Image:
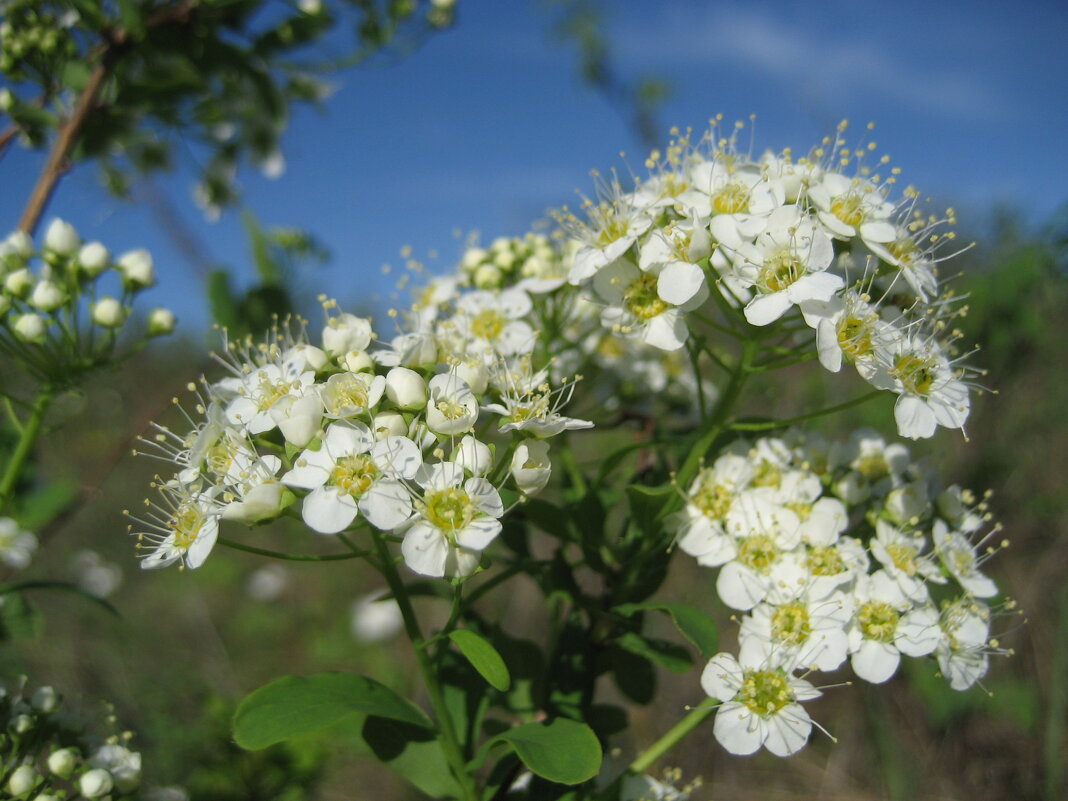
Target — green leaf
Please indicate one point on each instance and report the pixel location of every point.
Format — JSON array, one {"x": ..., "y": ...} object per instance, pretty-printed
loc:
[
  {"x": 293, "y": 706},
  {"x": 415, "y": 753},
  {"x": 44, "y": 505},
  {"x": 75, "y": 75},
  {"x": 19, "y": 619},
  {"x": 483, "y": 658},
  {"x": 560, "y": 750},
  {"x": 694, "y": 625},
  {"x": 647, "y": 505},
  {"x": 674, "y": 657}
]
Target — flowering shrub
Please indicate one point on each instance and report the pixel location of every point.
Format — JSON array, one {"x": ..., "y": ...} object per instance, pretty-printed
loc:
[{"x": 456, "y": 441}]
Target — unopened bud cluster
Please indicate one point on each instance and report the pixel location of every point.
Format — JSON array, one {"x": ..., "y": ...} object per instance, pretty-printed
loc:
[
  {"x": 56, "y": 316},
  {"x": 50, "y": 752},
  {"x": 32, "y": 37}
]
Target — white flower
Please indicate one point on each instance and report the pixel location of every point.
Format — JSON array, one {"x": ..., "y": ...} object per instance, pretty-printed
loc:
[
  {"x": 350, "y": 394},
  {"x": 963, "y": 649},
  {"x": 699, "y": 527},
  {"x": 123, "y": 764},
  {"x": 183, "y": 529},
  {"x": 406, "y": 388},
  {"x": 787, "y": 264},
  {"x": 849, "y": 207},
  {"x": 761, "y": 705},
  {"x": 491, "y": 322},
  {"x": 901, "y": 555},
  {"x": 958, "y": 555},
  {"x": 930, "y": 392},
  {"x": 534, "y": 410},
  {"x": 160, "y": 322},
  {"x": 16, "y": 546},
  {"x": 456, "y": 520},
  {"x": 452, "y": 408},
  {"x": 886, "y": 625},
  {"x": 30, "y": 327},
  {"x": 47, "y": 296},
  {"x": 352, "y": 472},
  {"x": 109, "y": 313},
  {"x": 473, "y": 456},
  {"x": 61, "y": 238},
  {"x": 615, "y": 224},
  {"x": 531, "y": 466},
  {"x": 94, "y": 258},
  {"x": 345, "y": 333},
  {"x": 812, "y": 632},
  {"x": 259, "y": 390},
  {"x": 137, "y": 268},
  {"x": 95, "y": 783}
]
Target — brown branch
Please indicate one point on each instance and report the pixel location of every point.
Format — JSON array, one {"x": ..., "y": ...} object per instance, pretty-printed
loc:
[
  {"x": 7, "y": 136},
  {"x": 57, "y": 163}
]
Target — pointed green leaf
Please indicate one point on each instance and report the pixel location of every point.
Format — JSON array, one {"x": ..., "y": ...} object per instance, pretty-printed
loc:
[
  {"x": 694, "y": 625},
  {"x": 293, "y": 706},
  {"x": 560, "y": 750},
  {"x": 483, "y": 658},
  {"x": 674, "y": 657}
]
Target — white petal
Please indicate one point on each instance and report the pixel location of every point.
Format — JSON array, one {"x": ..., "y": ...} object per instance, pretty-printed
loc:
[
  {"x": 328, "y": 511},
  {"x": 738, "y": 730},
  {"x": 788, "y": 730},
  {"x": 679, "y": 281},
  {"x": 722, "y": 677},
  {"x": 875, "y": 661},
  {"x": 386, "y": 504},
  {"x": 201, "y": 547},
  {"x": 914, "y": 418},
  {"x": 765, "y": 309},
  {"x": 425, "y": 550},
  {"x": 479, "y": 533}
]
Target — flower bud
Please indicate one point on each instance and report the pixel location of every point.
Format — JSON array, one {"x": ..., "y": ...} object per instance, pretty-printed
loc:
[
  {"x": 375, "y": 619},
  {"x": 476, "y": 375},
  {"x": 263, "y": 502},
  {"x": 389, "y": 424},
  {"x": 94, "y": 258},
  {"x": 7, "y": 99},
  {"x": 109, "y": 313},
  {"x": 61, "y": 238},
  {"x": 472, "y": 258},
  {"x": 95, "y": 783},
  {"x": 18, "y": 282},
  {"x": 406, "y": 388},
  {"x": 20, "y": 243},
  {"x": 47, "y": 296},
  {"x": 63, "y": 762},
  {"x": 531, "y": 466},
  {"x": 46, "y": 797},
  {"x": 907, "y": 503},
  {"x": 23, "y": 779},
  {"x": 44, "y": 699},
  {"x": 473, "y": 456},
  {"x": 137, "y": 268},
  {"x": 345, "y": 333},
  {"x": 20, "y": 724},
  {"x": 487, "y": 277},
  {"x": 161, "y": 321},
  {"x": 30, "y": 327},
  {"x": 358, "y": 361}
]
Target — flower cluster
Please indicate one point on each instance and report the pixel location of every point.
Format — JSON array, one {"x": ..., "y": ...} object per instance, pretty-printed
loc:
[
  {"x": 52, "y": 753},
  {"x": 817, "y": 239},
  {"x": 839, "y": 553},
  {"x": 394, "y": 436},
  {"x": 42, "y": 313}
]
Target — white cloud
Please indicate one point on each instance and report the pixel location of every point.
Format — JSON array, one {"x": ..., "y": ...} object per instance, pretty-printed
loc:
[{"x": 823, "y": 62}]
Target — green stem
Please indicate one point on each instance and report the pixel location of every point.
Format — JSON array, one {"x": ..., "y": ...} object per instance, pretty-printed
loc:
[
  {"x": 27, "y": 437},
  {"x": 450, "y": 743},
  {"x": 668, "y": 741},
  {"x": 574, "y": 472},
  {"x": 292, "y": 557},
  {"x": 768, "y": 426},
  {"x": 715, "y": 424}
]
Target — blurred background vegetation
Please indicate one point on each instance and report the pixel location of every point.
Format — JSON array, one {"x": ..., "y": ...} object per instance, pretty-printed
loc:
[{"x": 187, "y": 646}]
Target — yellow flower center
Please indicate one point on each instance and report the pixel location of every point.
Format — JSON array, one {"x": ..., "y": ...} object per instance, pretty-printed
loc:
[
  {"x": 915, "y": 372},
  {"x": 855, "y": 336},
  {"x": 780, "y": 271},
  {"x": 731, "y": 199},
  {"x": 903, "y": 556},
  {"x": 765, "y": 692},
  {"x": 354, "y": 474},
  {"x": 849, "y": 209},
  {"x": 767, "y": 474},
  {"x": 790, "y": 624},
  {"x": 758, "y": 552},
  {"x": 186, "y": 524},
  {"x": 449, "y": 509},
  {"x": 873, "y": 467},
  {"x": 824, "y": 560},
  {"x": 714, "y": 500},
  {"x": 878, "y": 621},
  {"x": 346, "y": 390},
  {"x": 488, "y": 324},
  {"x": 642, "y": 300}
]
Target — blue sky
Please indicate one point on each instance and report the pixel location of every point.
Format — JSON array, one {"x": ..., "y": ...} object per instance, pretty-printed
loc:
[{"x": 487, "y": 126}]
